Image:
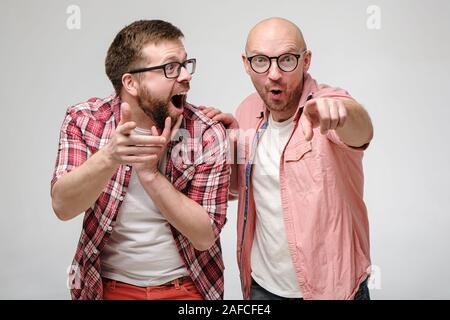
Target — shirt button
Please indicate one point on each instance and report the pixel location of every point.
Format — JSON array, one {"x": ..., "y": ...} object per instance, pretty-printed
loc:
[
  {"x": 184, "y": 166},
  {"x": 109, "y": 228},
  {"x": 95, "y": 251},
  {"x": 121, "y": 198},
  {"x": 127, "y": 168}
]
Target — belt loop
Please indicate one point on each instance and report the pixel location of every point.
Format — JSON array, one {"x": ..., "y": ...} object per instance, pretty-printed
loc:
[
  {"x": 176, "y": 283},
  {"x": 112, "y": 284}
]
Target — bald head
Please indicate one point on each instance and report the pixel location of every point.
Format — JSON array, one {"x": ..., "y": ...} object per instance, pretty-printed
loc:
[{"x": 273, "y": 32}]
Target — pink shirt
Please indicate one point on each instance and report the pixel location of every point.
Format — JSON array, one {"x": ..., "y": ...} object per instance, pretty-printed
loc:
[{"x": 322, "y": 185}]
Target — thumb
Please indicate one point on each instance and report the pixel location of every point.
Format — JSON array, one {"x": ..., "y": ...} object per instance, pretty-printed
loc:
[
  {"x": 306, "y": 127},
  {"x": 167, "y": 126},
  {"x": 125, "y": 113}
]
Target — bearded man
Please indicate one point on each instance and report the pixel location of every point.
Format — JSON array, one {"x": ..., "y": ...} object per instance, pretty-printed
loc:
[{"x": 154, "y": 200}]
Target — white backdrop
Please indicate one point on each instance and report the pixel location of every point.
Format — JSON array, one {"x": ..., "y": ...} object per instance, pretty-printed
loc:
[{"x": 393, "y": 56}]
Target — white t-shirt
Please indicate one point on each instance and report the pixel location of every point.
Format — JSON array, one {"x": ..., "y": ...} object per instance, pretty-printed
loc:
[
  {"x": 271, "y": 262},
  {"x": 141, "y": 250}
]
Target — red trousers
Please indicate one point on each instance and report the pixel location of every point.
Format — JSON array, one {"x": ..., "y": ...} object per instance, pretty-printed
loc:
[{"x": 183, "y": 289}]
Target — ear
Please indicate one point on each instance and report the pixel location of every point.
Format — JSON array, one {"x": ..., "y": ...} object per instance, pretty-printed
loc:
[
  {"x": 246, "y": 63},
  {"x": 307, "y": 61},
  {"x": 130, "y": 84}
]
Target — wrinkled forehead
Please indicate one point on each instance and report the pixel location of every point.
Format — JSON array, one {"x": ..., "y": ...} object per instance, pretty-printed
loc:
[{"x": 155, "y": 52}]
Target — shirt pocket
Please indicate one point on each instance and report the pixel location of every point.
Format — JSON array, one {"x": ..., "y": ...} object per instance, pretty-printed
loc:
[
  {"x": 303, "y": 166},
  {"x": 299, "y": 151}
]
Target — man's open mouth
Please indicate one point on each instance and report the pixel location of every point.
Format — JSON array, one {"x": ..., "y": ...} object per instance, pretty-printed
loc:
[
  {"x": 276, "y": 92},
  {"x": 179, "y": 100}
]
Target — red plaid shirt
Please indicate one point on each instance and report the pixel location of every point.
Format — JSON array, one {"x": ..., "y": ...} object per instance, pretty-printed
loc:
[{"x": 196, "y": 165}]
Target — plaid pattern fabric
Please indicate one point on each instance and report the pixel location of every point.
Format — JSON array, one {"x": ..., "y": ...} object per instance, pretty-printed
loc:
[{"x": 196, "y": 165}]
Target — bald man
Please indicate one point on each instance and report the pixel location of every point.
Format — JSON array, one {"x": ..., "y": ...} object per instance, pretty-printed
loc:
[{"x": 302, "y": 223}]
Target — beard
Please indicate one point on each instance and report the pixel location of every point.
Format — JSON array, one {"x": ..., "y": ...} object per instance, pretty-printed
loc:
[
  {"x": 156, "y": 109},
  {"x": 292, "y": 101}
]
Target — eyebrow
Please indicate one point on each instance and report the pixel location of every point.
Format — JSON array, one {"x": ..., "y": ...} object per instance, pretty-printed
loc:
[{"x": 257, "y": 52}]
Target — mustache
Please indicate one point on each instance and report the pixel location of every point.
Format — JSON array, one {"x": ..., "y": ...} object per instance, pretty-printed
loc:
[
  {"x": 274, "y": 84},
  {"x": 184, "y": 87}
]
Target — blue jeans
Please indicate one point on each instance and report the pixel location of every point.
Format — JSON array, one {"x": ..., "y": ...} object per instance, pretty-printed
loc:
[{"x": 259, "y": 293}]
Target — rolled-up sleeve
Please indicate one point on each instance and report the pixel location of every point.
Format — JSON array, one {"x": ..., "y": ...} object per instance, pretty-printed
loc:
[
  {"x": 209, "y": 186},
  {"x": 72, "y": 149}
]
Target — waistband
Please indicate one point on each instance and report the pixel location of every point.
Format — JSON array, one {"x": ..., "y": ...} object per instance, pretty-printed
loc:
[{"x": 172, "y": 283}]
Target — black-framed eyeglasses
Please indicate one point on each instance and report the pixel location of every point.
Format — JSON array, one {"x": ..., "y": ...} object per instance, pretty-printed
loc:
[
  {"x": 172, "y": 69},
  {"x": 287, "y": 62}
]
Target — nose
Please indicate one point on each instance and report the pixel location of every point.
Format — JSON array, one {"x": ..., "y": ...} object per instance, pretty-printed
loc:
[
  {"x": 184, "y": 75},
  {"x": 274, "y": 72}
]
